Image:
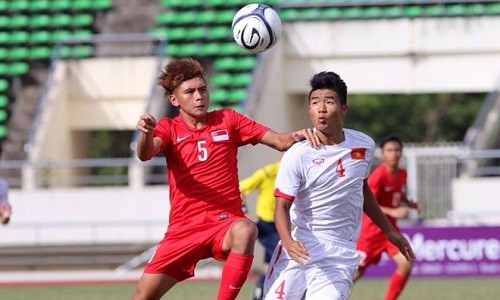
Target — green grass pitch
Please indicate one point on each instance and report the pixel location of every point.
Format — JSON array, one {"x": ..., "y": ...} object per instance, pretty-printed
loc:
[{"x": 416, "y": 288}]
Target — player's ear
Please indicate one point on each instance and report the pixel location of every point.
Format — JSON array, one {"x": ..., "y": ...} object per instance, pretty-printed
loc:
[
  {"x": 345, "y": 108},
  {"x": 173, "y": 100}
]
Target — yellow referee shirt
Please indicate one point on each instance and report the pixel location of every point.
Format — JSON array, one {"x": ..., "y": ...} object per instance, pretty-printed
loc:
[{"x": 262, "y": 180}]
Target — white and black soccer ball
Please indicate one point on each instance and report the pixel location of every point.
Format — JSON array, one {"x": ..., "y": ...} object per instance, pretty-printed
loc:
[{"x": 256, "y": 27}]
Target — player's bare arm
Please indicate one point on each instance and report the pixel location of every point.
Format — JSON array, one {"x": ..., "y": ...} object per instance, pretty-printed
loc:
[
  {"x": 410, "y": 203},
  {"x": 147, "y": 145},
  {"x": 395, "y": 212},
  {"x": 295, "y": 249},
  {"x": 283, "y": 141},
  {"x": 373, "y": 210}
]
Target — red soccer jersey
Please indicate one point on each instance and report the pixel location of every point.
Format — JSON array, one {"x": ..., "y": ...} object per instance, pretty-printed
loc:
[
  {"x": 388, "y": 189},
  {"x": 202, "y": 165}
]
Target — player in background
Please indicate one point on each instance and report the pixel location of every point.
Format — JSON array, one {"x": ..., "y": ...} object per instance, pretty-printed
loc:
[
  {"x": 200, "y": 147},
  {"x": 262, "y": 181},
  {"x": 388, "y": 183},
  {"x": 323, "y": 193},
  {"x": 5, "y": 207}
]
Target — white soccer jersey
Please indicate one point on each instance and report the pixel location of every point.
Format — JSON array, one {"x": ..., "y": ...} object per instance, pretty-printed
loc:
[{"x": 326, "y": 185}]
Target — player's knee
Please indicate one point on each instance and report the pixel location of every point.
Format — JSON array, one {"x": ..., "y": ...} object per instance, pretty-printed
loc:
[{"x": 245, "y": 229}]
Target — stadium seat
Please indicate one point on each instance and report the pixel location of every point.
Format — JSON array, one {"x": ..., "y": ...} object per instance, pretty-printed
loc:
[
  {"x": 196, "y": 32},
  {"x": 59, "y": 5},
  {"x": 60, "y": 20},
  {"x": 237, "y": 95},
  {"x": 3, "y": 69},
  {"x": 493, "y": 8},
  {"x": 81, "y": 5},
  {"x": 231, "y": 48},
  {"x": 4, "y": 85},
  {"x": 3, "y": 115},
  {"x": 40, "y": 37},
  {"x": 102, "y": 4},
  {"x": 3, "y": 131},
  {"x": 242, "y": 79},
  {"x": 4, "y": 101},
  {"x": 219, "y": 95},
  {"x": 222, "y": 79},
  {"x": 225, "y": 63},
  {"x": 331, "y": 13},
  {"x": 220, "y": 32},
  {"x": 246, "y": 63},
  {"x": 176, "y": 33},
  {"x": 37, "y": 21},
  {"x": 18, "y": 53},
  {"x": 18, "y": 37},
  {"x": 39, "y": 5},
  {"x": 206, "y": 17},
  {"x": 82, "y": 20},
  {"x": 4, "y": 53},
  {"x": 18, "y": 21},
  {"x": 210, "y": 49},
  {"x": 17, "y": 68},
  {"x": 18, "y": 5},
  {"x": 40, "y": 52}
]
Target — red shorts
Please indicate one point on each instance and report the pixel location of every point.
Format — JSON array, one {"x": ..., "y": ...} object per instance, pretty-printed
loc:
[
  {"x": 371, "y": 248},
  {"x": 181, "y": 249}
]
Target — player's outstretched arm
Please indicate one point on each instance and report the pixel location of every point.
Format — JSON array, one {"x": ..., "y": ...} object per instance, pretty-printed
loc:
[
  {"x": 147, "y": 145},
  {"x": 283, "y": 141},
  {"x": 295, "y": 249},
  {"x": 372, "y": 209}
]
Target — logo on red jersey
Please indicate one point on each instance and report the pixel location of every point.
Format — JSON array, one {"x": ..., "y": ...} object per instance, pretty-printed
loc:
[
  {"x": 358, "y": 153},
  {"x": 220, "y": 135}
]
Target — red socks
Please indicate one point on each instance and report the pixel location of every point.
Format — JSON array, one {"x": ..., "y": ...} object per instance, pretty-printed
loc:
[
  {"x": 234, "y": 274},
  {"x": 396, "y": 285}
]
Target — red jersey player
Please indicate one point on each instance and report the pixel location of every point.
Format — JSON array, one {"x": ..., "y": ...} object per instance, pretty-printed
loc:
[
  {"x": 387, "y": 183},
  {"x": 206, "y": 219}
]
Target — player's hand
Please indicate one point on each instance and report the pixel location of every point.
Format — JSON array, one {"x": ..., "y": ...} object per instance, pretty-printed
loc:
[
  {"x": 5, "y": 211},
  {"x": 146, "y": 123},
  {"x": 414, "y": 204},
  {"x": 399, "y": 212},
  {"x": 297, "y": 251},
  {"x": 307, "y": 134},
  {"x": 403, "y": 245}
]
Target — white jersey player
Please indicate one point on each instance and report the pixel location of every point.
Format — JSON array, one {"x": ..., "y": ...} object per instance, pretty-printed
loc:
[{"x": 323, "y": 193}]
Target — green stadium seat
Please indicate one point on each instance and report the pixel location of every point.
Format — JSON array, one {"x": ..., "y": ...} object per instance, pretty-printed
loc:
[
  {"x": 58, "y": 35},
  {"x": 60, "y": 20},
  {"x": 4, "y": 101},
  {"x": 19, "y": 37},
  {"x": 213, "y": 107},
  {"x": 210, "y": 49},
  {"x": 60, "y": 5},
  {"x": 206, "y": 17},
  {"x": 222, "y": 79},
  {"x": 165, "y": 18},
  {"x": 40, "y": 37},
  {"x": 433, "y": 10},
  {"x": 4, "y": 53},
  {"x": 18, "y": 5},
  {"x": 42, "y": 20},
  {"x": 225, "y": 16},
  {"x": 289, "y": 14},
  {"x": 171, "y": 50},
  {"x": 4, "y": 37},
  {"x": 4, "y": 68},
  {"x": 4, "y": 21},
  {"x": 238, "y": 95},
  {"x": 219, "y": 95},
  {"x": 373, "y": 12},
  {"x": 18, "y": 21},
  {"x": 40, "y": 52},
  {"x": 171, "y": 3},
  {"x": 225, "y": 63},
  {"x": 310, "y": 13},
  {"x": 102, "y": 4},
  {"x": 453, "y": 10},
  {"x": 81, "y": 34},
  {"x": 39, "y": 5},
  {"x": 393, "y": 11},
  {"x": 242, "y": 79},
  {"x": 3, "y": 115},
  {"x": 18, "y": 53},
  {"x": 4, "y": 5},
  {"x": 4, "y": 85},
  {"x": 493, "y": 8},
  {"x": 188, "y": 49},
  {"x": 331, "y": 13},
  {"x": 220, "y": 32},
  {"x": 176, "y": 33},
  {"x": 413, "y": 11},
  {"x": 81, "y": 5},
  {"x": 231, "y": 49},
  {"x": 82, "y": 20},
  {"x": 3, "y": 131},
  {"x": 196, "y": 32},
  {"x": 81, "y": 51},
  {"x": 246, "y": 63},
  {"x": 354, "y": 12},
  {"x": 17, "y": 68}
]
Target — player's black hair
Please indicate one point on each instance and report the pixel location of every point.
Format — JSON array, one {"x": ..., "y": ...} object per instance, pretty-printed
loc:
[
  {"x": 391, "y": 138},
  {"x": 329, "y": 80}
]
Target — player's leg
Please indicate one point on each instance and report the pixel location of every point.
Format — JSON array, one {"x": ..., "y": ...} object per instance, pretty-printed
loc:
[
  {"x": 239, "y": 241},
  {"x": 398, "y": 279},
  {"x": 153, "y": 286}
]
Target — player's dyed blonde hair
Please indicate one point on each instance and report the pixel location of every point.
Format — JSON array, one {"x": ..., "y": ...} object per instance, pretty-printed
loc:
[{"x": 177, "y": 71}]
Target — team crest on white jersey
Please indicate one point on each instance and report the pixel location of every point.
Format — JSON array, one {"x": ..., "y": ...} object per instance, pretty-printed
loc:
[
  {"x": 220, "y": 135},
  {"x": 318, "y": 161}
]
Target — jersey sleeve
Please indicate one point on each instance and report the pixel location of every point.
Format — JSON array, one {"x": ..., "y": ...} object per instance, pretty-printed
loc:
[
  {"x": 289, "y": 175},
  {"x": 162, "y": 130},
  {"x": 248, "y": 131},
  {"x": 374, "y": 182}
]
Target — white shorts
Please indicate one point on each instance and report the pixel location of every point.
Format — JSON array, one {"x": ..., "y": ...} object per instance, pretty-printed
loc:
[{"x": 327, "y": 275}]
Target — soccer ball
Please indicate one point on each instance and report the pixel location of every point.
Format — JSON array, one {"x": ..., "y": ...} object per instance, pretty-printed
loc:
[{"x": 256, "y": 27}]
